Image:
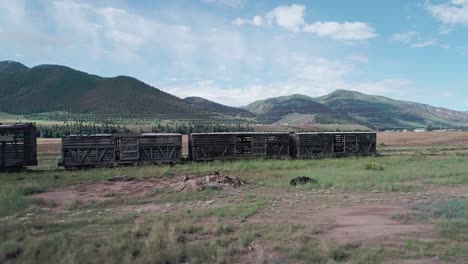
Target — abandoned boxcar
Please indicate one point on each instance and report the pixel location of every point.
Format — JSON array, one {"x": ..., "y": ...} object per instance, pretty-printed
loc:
[
  {"x": 219, "y": 146},
  {"x": 111, "y": 149},
  {"x": 314, "y": 145},
  {"x": 17, "y": 146},
  {"x": 159, "y": 147},
  {"x": 88, "y": 150}
]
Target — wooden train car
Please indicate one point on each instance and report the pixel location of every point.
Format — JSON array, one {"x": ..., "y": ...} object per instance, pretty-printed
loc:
[
  {"x": 223, "y": 146},
  {"x": 160, "y": 147},
  {"x": 112, "y": 149},
  {"x": 88, "y": 150},
  {"x": 334, "y": 144},
  {"x": 18, "y": 147}
]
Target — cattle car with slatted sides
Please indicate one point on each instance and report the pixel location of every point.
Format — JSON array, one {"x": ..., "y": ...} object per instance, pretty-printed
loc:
[
  {"x": 237, "y": 145},
  {"x": 160, "y": 148},
  {"x": 80, "y": 151},
  {"x": 18, "y": 146},
  {"x": 333, "y": 144}
]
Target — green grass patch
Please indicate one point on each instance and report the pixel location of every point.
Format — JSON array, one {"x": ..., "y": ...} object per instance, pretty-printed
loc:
[
  {"x": 238, "y": 210},
  {"x": 374, "y": 166},
  {"x": 448, "y": 208}
]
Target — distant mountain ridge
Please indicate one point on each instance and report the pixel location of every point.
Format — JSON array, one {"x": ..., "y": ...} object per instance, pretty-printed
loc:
[
  {"x": 12, "y": 67},
  {"x": 342, "y": 106},
  {"x": 216, "y": 107},
  {"x": 46, "y": 88},
  {"x": 296, "y": 105}
]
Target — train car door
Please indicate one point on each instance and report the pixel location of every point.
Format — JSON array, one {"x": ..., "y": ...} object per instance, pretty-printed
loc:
[
  {"x": 339, "y": 143},
  {"x": 128, "y": 148}
]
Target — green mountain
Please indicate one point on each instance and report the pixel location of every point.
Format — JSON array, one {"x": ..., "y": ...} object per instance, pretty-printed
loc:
[
  {"x": 379, "y": 111},
  {"x": 216, "y": 107},
  {"x": 295, "y": 108},
  {"x": 343, "y": 106},
  {"x": 47, "y": 88},
  {"x": 12, "y": 67}
]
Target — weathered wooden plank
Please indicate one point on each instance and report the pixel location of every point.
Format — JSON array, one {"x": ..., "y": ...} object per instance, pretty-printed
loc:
[
  {"x": 17, "y": 145},
  {"x": 313, "y": 145}
]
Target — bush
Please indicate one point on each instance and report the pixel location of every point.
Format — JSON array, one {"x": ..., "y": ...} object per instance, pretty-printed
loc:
[
  {"x": 454, "y": 208},
  {"x": 342, "y": 253},
  {"x": 374, "y": 166}
]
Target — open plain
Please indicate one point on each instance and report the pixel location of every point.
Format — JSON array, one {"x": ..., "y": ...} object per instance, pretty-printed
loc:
[{"x": 407, "y": 205}]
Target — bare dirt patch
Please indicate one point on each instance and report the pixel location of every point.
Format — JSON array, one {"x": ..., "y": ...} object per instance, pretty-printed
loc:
[
  {"x": 364, "y": 221},
  {"x": 102, "y": 190},
  {"x": 352, "y": 216},
  {"x": 369, "y": 223}
]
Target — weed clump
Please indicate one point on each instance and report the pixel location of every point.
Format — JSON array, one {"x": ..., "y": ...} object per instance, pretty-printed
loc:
[
  {"x": 302, "y": 180},
  {"x": 374, "y": 166},
  {"x": 453, "y": 208}
]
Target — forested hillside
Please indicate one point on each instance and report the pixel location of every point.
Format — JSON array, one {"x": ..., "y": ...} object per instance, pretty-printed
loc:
[{"x": 47, "y": 88}]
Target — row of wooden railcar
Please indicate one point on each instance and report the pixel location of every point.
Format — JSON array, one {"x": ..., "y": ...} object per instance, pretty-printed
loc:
[
  {"x": 111, "y": 149},
  {"x": 18, "y": 147}
]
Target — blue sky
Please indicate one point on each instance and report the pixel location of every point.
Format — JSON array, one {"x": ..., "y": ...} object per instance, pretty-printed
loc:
[{"x": 238, "y": 51}]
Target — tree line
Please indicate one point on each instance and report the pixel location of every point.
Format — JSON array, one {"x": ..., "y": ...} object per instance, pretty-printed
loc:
[{"x": 81, "y": 128}]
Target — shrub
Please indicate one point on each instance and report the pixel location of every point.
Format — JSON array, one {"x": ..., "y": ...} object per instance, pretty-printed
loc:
[
  {"x": 374, "y": 166},
  {"x": 454, "y": 208}
]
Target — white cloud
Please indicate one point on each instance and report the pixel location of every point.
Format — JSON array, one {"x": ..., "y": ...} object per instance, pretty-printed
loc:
[
  {"x": 358, "y": 57},
  {"x": 13, "y": 11},
  {"x": 313, "y": 76},
  {"x": 452, "y": 13},
  {"x": 239, "y": 21},
  {"x": 292, "y": 18},
  {"x": 102, "y": 29},
  {"x": 342, "y": 31},
  {"x": 256, "y": 21},
  {"x": 123, "y": 36},
  {"x": 226, "y": 3},
  {"x": 424, "y": 44},
  {"x": 288, "y": 17},
  {"x": 405, "y": 37},
  {"x": 414, "y": 40}
]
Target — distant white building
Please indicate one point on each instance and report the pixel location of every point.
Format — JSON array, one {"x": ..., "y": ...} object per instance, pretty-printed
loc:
[{"x": 420, "y": 130}]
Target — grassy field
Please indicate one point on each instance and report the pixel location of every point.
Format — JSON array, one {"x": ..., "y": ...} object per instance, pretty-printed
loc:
[
  {"x": 56, "y": 216},
  {"x": 443, "y": 138}
]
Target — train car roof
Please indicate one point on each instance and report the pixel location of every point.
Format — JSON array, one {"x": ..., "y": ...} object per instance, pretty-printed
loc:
[
  {"x": 16, "y": 125},
  {"x": 89, "y": 135},
  {"x": 243, "y": 133},
  {"x": 124, "y": 135},
  {"x": 301, "y": 133},
  {"x": 161, "y": 134}
]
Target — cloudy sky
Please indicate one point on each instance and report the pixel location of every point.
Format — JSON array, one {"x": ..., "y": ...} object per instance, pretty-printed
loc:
[{"x": 238, "y": 51}]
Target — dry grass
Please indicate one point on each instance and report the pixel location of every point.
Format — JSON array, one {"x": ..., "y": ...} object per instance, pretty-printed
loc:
[
  {"x": 422, "y": 138},
  {"x": 264, "y": 221},
  {"x": 47, "y": 146}
]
